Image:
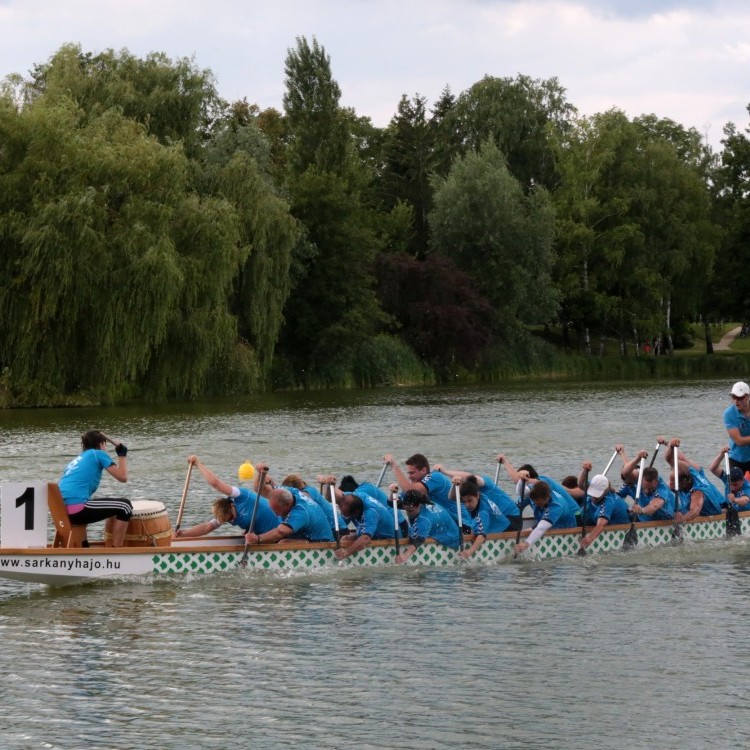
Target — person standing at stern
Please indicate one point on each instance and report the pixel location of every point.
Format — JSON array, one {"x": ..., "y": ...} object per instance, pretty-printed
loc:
[{"x": 737, "y": 423}]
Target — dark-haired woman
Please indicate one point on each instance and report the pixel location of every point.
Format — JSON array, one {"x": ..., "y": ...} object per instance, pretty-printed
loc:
[{"x": 81, "y": 478}]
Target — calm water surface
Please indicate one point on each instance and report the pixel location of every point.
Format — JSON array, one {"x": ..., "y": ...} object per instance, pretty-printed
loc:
[{"x": 621, "y": 651}]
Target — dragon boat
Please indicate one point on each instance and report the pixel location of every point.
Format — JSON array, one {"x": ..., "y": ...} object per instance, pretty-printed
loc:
[{"x": 29, "y": 511}]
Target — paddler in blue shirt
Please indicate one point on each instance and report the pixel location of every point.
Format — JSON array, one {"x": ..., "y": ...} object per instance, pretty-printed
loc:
[
  {"x": 527, "y": 474},
  {"x": 603, "y": 507},
  {"x": 695, "y": 496},
  {"x": 551, "y": 511},
  {"x": 483, "y": 515},
  {"x": 371, "y": 520},
  {"x": 426, "y": 521},
  {"x": 737, "y": 424},
  {"x": 657, "y": 501},
  {"x": 235, "y": 508},
  {"x": 434, "y": 485},
  {"x": 489, "y": 492},
  {"x": 349, "y": 484},
  {"x": 300, "y": 517},
  {"x": 736, "y": 485},
  {"x": 296, "y": 481}
]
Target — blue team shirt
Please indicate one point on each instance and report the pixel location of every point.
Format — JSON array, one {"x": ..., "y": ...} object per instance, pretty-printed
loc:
[
  {"x": 376, "y": 520},
  {"x": 325, "y": 506},
  {"x": 610, "y": 507},
  {"x": 487, "y": 518},
  {"x": 82, "y": 475},
  {"x": 438, "y": 488},
  {"x": 306, "y": 519},
  {"x": 374, "y": 492},
  {"x": 435, "y": 522},
  {"x": 244, "y": 502},
  {"x": 561, "y": 510},
  {"x": 508, "y": 507},
  {"x": 712, "y": 497},
  {"x": 666, "y": 512},
  {"x": 734, "y": 418},
  {"x": 744, "y": 491}
]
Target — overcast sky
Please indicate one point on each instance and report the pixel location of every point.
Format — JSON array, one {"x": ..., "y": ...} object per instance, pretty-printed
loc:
[{"x": 682, "y": 59}]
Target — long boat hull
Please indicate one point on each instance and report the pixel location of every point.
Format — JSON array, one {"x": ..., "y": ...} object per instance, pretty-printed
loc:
[{"x": 213, "y": 554}]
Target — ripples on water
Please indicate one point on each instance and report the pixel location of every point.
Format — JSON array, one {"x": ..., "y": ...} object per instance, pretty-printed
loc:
[{"x": 619, "y": 651}]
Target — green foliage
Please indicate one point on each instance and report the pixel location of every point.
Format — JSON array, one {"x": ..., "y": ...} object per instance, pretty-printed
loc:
[{"x": 500, "y": 235}]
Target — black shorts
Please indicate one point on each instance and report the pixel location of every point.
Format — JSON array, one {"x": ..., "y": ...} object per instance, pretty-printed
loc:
[{"x": 99, "y": 508}]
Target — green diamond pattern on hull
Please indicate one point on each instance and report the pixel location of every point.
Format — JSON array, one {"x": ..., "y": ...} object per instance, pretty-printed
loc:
[{"x": 495, "y": 550}]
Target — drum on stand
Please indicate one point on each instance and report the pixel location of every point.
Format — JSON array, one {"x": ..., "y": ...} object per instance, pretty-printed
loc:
[{"x": 149, "y": 526}]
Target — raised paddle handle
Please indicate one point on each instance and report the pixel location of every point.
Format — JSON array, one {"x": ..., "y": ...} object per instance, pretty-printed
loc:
[
  {"x": 382, "y": 474},
  {"x": 183, "y": 498},
  {"x": 655, "y": 453},
  {"x": 396, "y": 527},
  {"x": 640, "y": 480},
  {"x": 609, "y": 465},
  {"x": 332, "y": 490}
]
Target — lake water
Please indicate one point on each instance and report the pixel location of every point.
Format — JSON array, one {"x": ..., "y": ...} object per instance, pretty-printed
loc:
[{"x": 640, "y": 650}]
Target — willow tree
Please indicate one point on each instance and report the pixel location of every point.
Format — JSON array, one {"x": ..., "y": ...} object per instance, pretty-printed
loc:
[
  {"x": 174, "y": 100},
  {"x": 115, "y": 274},
  {"x": 237, "y": 165}
]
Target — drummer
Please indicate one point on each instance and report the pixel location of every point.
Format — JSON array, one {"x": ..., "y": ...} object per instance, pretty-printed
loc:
[
  {"x": 236, "y": 507},
  {"x": 80, "y": 481}
]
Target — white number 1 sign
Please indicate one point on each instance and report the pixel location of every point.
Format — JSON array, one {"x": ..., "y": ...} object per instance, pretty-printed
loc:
[{"x": 23, "y": 512}]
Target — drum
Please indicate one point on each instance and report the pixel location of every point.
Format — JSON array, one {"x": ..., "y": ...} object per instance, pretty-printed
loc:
[{"x": 149, "y": 525}]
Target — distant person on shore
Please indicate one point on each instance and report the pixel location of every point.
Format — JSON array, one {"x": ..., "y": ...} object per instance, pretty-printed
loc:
[
  {"x": 737, "y": 424},
  {"x": 80, "y": 481},
  {"x": 235, "y": 507}
]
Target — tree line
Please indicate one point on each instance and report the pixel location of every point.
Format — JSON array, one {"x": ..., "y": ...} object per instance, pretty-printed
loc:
[{"x": 159, "y": 241}]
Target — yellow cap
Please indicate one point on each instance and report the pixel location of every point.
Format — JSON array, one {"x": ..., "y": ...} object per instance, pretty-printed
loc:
[{"x": 246, "y": 472}]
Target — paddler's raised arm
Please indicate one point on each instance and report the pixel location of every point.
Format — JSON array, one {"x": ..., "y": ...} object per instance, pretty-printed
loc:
[
  {"x": 717, "y": 465},
  {"x": 513, "y": 473},
  {"x": 629, "y": 467},
  {"x": 403, "y": 481},
  {"x": 213, "y": 481}
]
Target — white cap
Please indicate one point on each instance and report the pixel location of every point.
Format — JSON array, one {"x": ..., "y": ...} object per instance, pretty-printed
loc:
[
  {"x": 598, "y": 486},
  {"x": 740, "y": 389},
  {"x": 527, "y": 491}
]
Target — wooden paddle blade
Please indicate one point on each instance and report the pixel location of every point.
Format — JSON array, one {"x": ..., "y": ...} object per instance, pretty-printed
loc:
[
  {"x": 734, "y": 525},
  {"x": 677, "y": 534},
  {"x": 581, "y": 552},
  {"x": 631, "y": 538}
]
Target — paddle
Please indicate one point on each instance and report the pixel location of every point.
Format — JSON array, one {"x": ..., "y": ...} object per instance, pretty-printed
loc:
[
  {"x": 261, "y": 481},
  {"x": 337, "y": 533},
  {"x": 653, "y": 457},
  {"x": 522, "y": 495},
  {"x": 497, "y": 472},
  {"x": 458, "y": 516},
  {"x": 631, "y": 536},
  {"x": 582, "y": 550},
  {"x": 733, "y": 524},
  {"x": 396, "y": 527},
  {"x": 184, "y": 497},
  {"x": 609, "y": 465},
  {"x": 677, "y": 528},
  {"x": 382, "y": 474}
]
